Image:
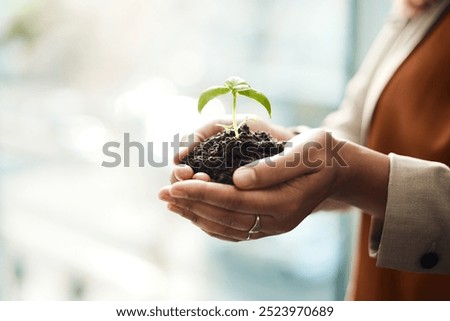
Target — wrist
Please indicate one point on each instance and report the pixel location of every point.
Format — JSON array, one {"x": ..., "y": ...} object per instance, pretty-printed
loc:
[{"x": 363, "y": 182}]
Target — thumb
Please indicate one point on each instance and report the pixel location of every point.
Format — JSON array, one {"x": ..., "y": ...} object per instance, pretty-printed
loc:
[
  {"x": 265, "y": 172},
  {"x": 301, "y": 156}
]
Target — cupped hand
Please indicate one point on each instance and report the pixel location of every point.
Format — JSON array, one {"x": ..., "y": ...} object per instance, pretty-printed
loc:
[{"x": 282, "y": 190}]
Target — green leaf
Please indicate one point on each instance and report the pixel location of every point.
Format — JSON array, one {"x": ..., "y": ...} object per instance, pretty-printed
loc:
[
  {"x": 209, "y": 94},
  {"x": 259, "y": 97}
]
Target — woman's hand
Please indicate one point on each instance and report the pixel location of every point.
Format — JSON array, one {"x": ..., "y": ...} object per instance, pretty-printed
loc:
[{"x": 282, "y": 190}]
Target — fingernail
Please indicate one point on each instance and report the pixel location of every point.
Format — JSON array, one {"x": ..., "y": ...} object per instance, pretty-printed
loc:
[
  {"x": 172, "y": 207},
  {"x": 244, "y": 177},
  {"x": 177, "y": 192},
  {"x": 165, "y": 196}
]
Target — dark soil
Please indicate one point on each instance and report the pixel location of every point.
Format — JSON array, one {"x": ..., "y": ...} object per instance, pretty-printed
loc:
[{"x": 220, "y": 155}]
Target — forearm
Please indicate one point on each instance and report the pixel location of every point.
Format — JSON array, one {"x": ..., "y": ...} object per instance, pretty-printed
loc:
[{"x": 364, "y": 182}]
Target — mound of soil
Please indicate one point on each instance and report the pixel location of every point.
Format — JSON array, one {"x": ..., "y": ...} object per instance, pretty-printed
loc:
[{"x": 220, "y": 155}]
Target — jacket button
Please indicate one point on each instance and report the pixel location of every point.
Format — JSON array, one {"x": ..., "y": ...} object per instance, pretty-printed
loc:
[{"x": 429, "y": 260}]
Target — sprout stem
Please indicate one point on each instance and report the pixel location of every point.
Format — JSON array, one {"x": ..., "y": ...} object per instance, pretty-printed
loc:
[{"x": 233, "y": 115}]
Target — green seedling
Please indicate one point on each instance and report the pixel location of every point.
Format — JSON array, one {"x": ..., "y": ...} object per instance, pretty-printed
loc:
[{"x": 236, "y": 86}]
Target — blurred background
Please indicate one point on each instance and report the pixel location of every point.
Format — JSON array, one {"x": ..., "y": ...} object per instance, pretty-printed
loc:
[{"x": 76, "y": 74}]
